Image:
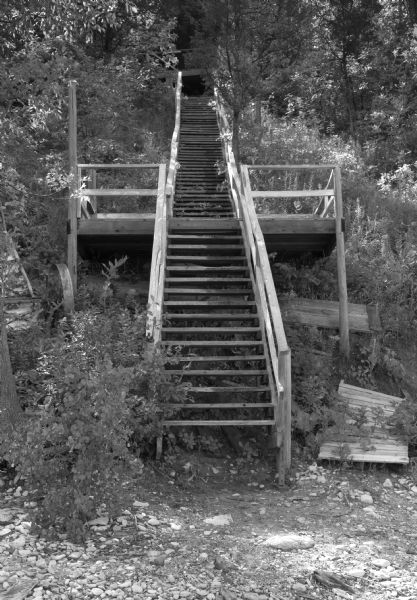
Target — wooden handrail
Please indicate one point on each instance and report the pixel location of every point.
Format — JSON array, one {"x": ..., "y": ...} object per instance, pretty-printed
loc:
[
  {"x": 278, "y": 352},
  {"x": 173, "y": 165},
  {"x": 117, "y": 166},
  {"x": 156, "y": 282}
]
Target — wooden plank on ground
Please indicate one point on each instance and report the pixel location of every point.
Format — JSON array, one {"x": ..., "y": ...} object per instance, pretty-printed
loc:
[
  {"x": 325, "y": 313},
  {"x": 366, "y": 435}
]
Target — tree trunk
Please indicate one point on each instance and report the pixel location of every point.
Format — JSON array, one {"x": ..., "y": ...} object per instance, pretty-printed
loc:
[
  {"x": 412, "y": 11},
  {"x": 235, "y": 136},
  {"x": 10, "y": 410}
]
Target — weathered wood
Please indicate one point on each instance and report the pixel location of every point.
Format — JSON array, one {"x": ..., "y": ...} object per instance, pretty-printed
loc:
[
  {"x": 341, "y": 268},
  {"x": 368, "y": 412},
  {"x": 67, "y": 288},
  {"x": 215, "y": 405},
  {"x": 221, "y": 423},
  {"x": 100, "y": 192},
  {"x": 325, "y": 313},
  {"x": 73, "y": 186},
  {"x": 291, "y": 193},
  {"x": 173, "y": 164},
  {"x": 289, "y": 167},
  {"x": 118, "y": 166}
]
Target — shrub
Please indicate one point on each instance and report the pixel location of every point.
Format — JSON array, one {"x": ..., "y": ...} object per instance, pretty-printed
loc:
[{"x": 103, "y": 395}]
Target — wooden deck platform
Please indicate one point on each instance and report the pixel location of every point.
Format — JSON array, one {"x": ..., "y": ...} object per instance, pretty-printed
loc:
[
  {"x": 325, "y": 313},
  {"x": 289, "y": 235},
  {"x": 364, "y": 434}
]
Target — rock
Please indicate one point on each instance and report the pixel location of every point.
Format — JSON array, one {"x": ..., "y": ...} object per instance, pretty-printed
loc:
[
  {"x": 154, "y": 522},
  {"x": 96, "y": 591},
  {"x": 387, "y": 484},
  {"x": 219, "y": 520},
  {"x": 138, "y": 504},
  {"x": 366, "y": 499},
  {"x": 370, "y": 510},
  {"x": 289, "y": 542},
  {"x": 299, "y": 587},
  {"x": 6, "y": 516},
  {"x": 381, "y": 563},
  {"x": 19, "y": 542},
  {"x": 414, "y": 489},
  {"x": 357, "y": 573},
  {"x": 5, "y": 531},
  {"x": 250, "y": 596},
  {"x": 99, "y": 522},
  {"x": 175, "y": 526}
]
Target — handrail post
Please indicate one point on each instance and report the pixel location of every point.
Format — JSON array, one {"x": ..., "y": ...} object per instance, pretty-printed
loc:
[
  {"x": 341, "y": 267},
  {"x": 73, "y": 185}
]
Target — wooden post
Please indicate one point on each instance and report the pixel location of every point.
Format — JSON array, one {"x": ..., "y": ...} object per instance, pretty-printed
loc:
[
  {"x": 72, "y": 224},
  {"x": 284, "y": 366},
  {"x": 341, "y": 267}
]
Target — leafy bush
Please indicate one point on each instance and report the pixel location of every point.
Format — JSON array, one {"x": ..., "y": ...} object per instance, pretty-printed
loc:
[{"x": 103, "y": 392}]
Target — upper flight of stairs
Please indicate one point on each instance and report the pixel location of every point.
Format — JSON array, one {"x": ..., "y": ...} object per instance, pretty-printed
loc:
[{"x": 211, "y": 320}]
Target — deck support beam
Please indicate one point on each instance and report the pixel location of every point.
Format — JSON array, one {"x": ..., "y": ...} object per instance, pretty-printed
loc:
[{"x": 72, "y": 200}]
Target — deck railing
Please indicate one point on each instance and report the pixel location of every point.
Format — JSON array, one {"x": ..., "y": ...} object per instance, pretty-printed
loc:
[
  {"x": 279, "y": 355},
  {"x": 300, "y": 188},
  {"x": 89, "y": 194},
  {"x": 164, "y": 208}
]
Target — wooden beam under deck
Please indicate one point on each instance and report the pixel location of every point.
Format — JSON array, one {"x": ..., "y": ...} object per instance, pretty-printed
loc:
[{"x": 289, "y": 235}]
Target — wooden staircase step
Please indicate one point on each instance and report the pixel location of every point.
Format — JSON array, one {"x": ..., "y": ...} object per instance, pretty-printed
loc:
[
  {"x": 204, "y": 291},
  {"x": 211, "y": 317},
  {"x": 218, "y": 372},
  {"x": 210, "y": 247},
  {"x": 233, "y": 358},
  {"x": 198, "y": 269},
  {"x": 208, "y": 280},
  {"x": 213, "y": 343},
  {"x": 232, "y": 389},
  {"x": 231, "y": 330},
  {"x": 213, "y": 259},
  {"x": 216, "y": 405},
  {"x": 212, "y": 303},
  {"x": 221, "y": 423}
]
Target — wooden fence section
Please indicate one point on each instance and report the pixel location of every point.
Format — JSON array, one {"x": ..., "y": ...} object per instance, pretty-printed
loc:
[
  {"x": 325, "y": 313},
  {"x": 362, "y": 432},
  {"x": 279, "y": 356}
]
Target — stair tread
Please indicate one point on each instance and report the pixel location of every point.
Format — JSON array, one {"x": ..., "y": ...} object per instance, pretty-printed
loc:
[
  {"x": 221, "y": 423},
  {"x": 218, "y": 372},
  {"x": 215, "y": 405},
  {"x": 212, "y": 343},
  {"x": 213, "y": 303},
  {"x": 210, "y": 329},
  {"x": 205, "y": 291},
  {"x": 211, "y": 316},
  {"x": 220, "y": 358}
]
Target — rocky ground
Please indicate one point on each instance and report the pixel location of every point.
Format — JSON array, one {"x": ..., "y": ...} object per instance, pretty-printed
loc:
[{"x": 214, "y": 530}]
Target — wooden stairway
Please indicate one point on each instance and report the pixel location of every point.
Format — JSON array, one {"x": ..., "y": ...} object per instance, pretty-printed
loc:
[{"x": 210, "y": 313}]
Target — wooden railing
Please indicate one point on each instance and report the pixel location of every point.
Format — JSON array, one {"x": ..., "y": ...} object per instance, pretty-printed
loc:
[
  {"x": 279, "y": 355},
  {"x": 330, "y": 206},
  {"x": 89, "y": 193},
  {"x": 159, "y": 250},
  {"x": 173, "y": 165},
  {"x": 164, "y": 209},
  {"x": 310, "y": 192}
]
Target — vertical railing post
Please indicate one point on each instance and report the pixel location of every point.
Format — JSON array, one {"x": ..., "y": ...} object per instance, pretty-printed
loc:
[
  {"x": 341, "y": 267},
  {"x": 93, "y": 182},
  {"x": 72, "y": 225}
]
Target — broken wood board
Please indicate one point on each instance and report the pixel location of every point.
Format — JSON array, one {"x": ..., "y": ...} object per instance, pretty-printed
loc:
[
  {"x": 325, "y": 313},
  {"x": 364, "y": 433}
]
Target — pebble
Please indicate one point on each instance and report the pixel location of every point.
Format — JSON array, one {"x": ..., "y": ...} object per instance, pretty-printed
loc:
[
  {"x": 289, "y": 542},
  {"x": 387, "y": 484},
  {"x": 154, "y": 522},
  {"x": 366, "y": 499},
  {"x": 299, "y": 587},
  {"x": 381, "y": 563}
]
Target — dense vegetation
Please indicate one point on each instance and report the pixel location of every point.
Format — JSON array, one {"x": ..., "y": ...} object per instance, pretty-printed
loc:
[{"x": 321, "y": 81}]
